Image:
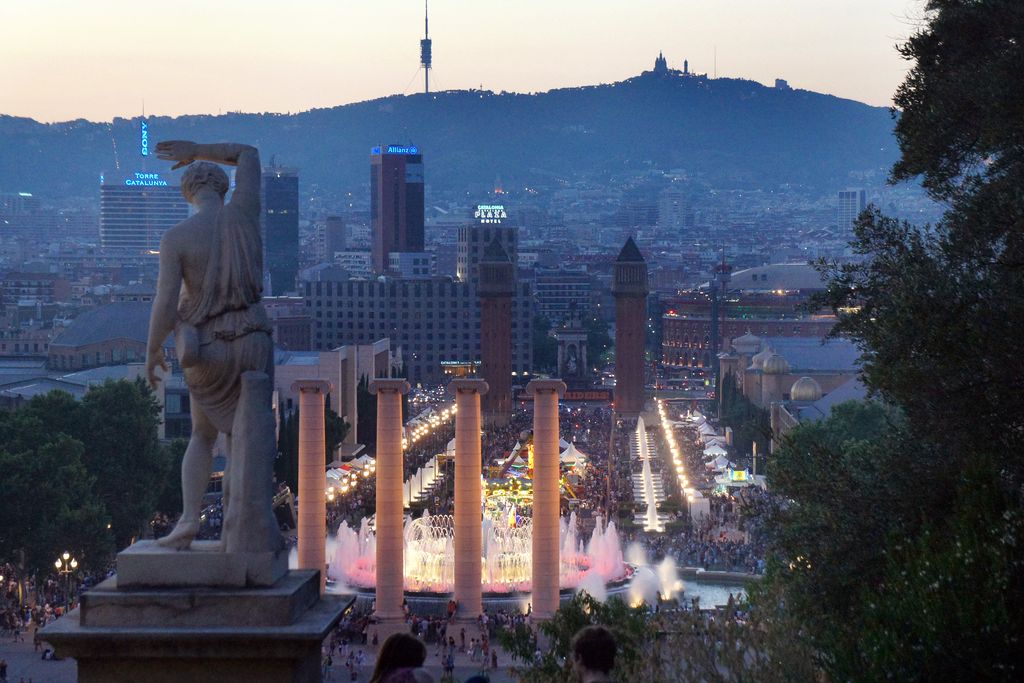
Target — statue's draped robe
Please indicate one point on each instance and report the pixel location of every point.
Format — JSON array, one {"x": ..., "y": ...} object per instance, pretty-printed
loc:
[{"x": 232, "y": 327}]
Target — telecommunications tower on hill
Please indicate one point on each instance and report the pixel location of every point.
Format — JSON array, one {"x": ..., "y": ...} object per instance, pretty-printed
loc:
[{"x": 425, "y": 56}]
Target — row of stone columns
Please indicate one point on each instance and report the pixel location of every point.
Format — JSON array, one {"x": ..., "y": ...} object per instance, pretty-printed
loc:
[{"x": 468, "y": 542}]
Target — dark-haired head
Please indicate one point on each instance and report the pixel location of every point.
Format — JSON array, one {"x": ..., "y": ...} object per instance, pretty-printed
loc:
[
  {"x": 399, "y": 651},
  {"x": 593, "y": 649}
]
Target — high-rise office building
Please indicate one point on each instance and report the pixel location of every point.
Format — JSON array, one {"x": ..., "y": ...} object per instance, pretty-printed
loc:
[
  {"x": 137, "y": 209},
  {"x": 434, "y": 322},
  {"x": 279, "y": 223},
  {"x": 489, "y": 222},
  {"x": 335, "y": 236},
  {"x": 396, "y": 202},
  {"x": 851, "y": 203}
]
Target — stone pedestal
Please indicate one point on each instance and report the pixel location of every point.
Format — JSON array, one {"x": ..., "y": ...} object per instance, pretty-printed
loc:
[
  {"x": 545, "y": 551},
  {"x": 165, "y": 635},
  {"x": 468, "y": 498},
  {"x": 312, "y": 522},
  {"x": 148, "y": 565},
  {"x": 390, "y": 570}
]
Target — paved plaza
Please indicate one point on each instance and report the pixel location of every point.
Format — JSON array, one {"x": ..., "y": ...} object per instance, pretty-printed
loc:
[{"x": 24, "y": 663}]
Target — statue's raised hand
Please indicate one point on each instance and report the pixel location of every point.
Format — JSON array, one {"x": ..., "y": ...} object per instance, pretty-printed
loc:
[{"x": 182, "y": 151}]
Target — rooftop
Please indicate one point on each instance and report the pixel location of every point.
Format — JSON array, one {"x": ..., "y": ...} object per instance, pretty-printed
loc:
[
  {"x": 630, "y": 253},
  {"x": 776, "y": 276},
  {"x": 124, "y": 320}
]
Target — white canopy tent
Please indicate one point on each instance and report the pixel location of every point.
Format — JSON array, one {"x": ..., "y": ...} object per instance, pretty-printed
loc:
[
  {"x": 715, "y": 448},
  {"x": 719, "y": 464},
  {"x": 573, "y": 457}
]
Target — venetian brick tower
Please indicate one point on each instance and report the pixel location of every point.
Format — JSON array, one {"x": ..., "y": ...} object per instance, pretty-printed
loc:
[
  {"x": 496, "y": 287},
  {"x": 629, "y": 287}
]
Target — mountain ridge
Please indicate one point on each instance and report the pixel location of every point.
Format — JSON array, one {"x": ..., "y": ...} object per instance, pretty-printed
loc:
[{"x": 729, "y": 131}]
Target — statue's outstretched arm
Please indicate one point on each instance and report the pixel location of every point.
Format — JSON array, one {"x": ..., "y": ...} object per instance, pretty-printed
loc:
[{"x": 246, "y": 157}]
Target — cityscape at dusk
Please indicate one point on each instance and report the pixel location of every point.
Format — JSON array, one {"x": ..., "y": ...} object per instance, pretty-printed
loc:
[{"x": 493, "y": 341}]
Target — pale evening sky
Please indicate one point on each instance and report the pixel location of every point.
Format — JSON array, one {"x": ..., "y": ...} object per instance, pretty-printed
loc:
[{"x": 96, "y": 59}]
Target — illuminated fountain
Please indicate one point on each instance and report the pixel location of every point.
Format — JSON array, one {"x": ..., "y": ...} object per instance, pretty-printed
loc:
[
  {"x": 652, "y": 522},
  {"x": 504, "y": 565}
]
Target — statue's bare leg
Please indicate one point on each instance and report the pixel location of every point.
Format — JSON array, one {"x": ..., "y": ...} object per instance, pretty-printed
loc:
[{"x": 196, "y": 467}]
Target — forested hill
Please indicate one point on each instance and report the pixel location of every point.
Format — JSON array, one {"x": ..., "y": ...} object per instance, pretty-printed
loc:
[{"x": 734, "y": 132}]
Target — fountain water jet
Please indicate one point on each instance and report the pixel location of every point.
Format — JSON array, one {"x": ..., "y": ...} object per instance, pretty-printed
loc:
[
  {"x": 651, "y": 522},
  {"x": 504, "y": 564}
]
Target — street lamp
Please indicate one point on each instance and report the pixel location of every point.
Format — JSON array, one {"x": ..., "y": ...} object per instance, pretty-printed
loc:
[{"x": 65, "y": 565}]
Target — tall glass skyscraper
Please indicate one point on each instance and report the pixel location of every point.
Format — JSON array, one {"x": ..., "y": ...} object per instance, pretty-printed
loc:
[
  {"x": 137, "y": 209},
  {"x": 280, "y": 227},
  {"x": 396, "y": 202},
  {"x": 851, "y": 203}
]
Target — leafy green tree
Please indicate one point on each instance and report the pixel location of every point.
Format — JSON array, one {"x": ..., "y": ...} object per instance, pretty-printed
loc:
[
  {"x": 670, "y": 646},
  {"x": 749, "y": 423},
  {"x": 367, "y": 413},
  {"x": 629, "y": 625},
  {"x": 286, "y": 466},
  {"x": 599, "y": 342},
  {"x": 116, "y": 423},
  {"x": 937, "y": 313},
  {"x": 53, "y": 507},
  {"x": 119, "y": 430}
]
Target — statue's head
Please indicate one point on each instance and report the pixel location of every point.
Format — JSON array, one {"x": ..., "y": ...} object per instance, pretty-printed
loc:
[{"x": 203, "y": 174}]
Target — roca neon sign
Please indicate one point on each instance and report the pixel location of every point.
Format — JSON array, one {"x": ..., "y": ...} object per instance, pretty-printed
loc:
[
  {"x": 145, "y": 138},
  {"x": 146, "y": 180}
]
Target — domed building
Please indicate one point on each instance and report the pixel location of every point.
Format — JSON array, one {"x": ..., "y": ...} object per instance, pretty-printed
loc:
[
  {"x": 775, "y": 365},
  {"x": 788, "y": 368},
  {"x": 747, "y": 345},
  {"x": 758, "y": 360},
  {"x": 805, "y": 390}
]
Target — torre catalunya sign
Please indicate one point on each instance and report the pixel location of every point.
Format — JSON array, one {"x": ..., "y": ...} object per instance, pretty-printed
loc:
[{"x": 138, "y": 179}]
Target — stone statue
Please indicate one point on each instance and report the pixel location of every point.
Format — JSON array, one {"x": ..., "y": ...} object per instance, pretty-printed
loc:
[{"x": 208, "y": 295}]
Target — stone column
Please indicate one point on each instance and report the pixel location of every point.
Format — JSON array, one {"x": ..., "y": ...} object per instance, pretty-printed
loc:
[
  {"x": 312, "y": 520},
  {"x": 468, "y": 497},
  {"x": 390, "y": 518},
  {"x": 545, "y": 568}
]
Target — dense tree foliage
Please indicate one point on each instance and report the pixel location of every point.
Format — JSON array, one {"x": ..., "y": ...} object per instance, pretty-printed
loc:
[
  {"x": 119, "y": 429},
  {"x": 89, "y": 473},
  {"x": 900, "y": 549},
  {"x": 668, "y": 646},
  {"x": 286, "y": 466},
  {"x": 366, "y": 414},
  {"x": 599, "y": 341},
  {"x": 52, "y": 504},
  {"x": 749, "y": 423}
]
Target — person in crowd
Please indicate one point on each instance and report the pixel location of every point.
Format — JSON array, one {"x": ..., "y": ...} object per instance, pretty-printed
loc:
[
  {"x": 400, "y": 660},
  {"x": 593, "y": 654}
]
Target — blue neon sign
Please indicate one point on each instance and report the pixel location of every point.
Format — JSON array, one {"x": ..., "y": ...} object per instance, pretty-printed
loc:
[
  {"x": 145, "y": 138},
  {"x": 396, "y": 149},
  {"x": 145, "y": 180}
]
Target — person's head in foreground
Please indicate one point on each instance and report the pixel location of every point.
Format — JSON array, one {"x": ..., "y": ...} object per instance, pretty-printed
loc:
[
  {"x": 593, "y": 654},
  {"x": 399, "y": 661}
]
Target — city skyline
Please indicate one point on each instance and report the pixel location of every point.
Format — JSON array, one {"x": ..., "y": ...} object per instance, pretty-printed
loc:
[{"x": 108, "y": 58}]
